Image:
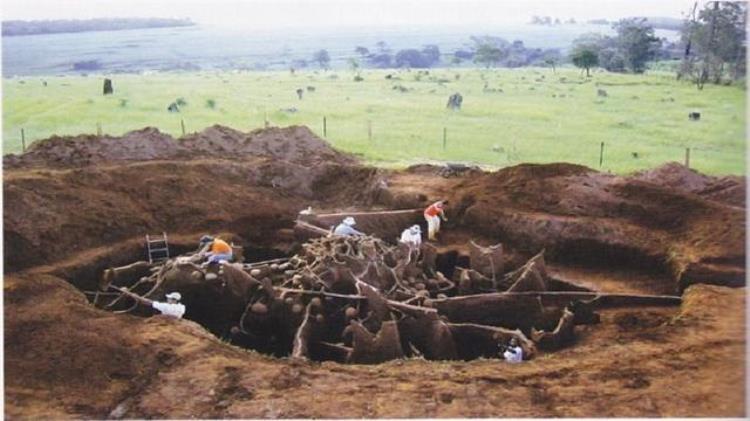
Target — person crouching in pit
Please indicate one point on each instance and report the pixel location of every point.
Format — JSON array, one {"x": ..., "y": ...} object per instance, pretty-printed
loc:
[
  {"x": 214, "y": 250},
  {"x": 433, "y": 214}
]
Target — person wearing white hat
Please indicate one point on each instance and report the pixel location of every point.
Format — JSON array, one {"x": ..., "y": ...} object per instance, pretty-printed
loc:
[
  {"x": 412, "y": 236},
  {"x": 172, "y": 307},
  {"x": 346, "y": 227}
]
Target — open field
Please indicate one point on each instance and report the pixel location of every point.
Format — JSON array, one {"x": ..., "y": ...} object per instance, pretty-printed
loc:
[{"x": 524, "y": 115}]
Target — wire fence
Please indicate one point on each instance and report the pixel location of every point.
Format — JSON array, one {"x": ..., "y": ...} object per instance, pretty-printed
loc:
[{"x": 417, "y": 142}]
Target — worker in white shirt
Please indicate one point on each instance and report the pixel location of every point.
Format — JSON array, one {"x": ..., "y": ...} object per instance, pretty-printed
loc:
[
  {"x": 512, "y": 353},
  {"x": 412, "y": 237},
  {"x": 346, "y": 227},
  {"x": 172, "y": 307}
]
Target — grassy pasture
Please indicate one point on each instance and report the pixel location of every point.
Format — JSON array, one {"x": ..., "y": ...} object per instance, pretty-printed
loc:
[{"x": 523, "y": 115}]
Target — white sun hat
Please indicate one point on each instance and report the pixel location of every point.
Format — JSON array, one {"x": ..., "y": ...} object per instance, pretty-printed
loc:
[
  {"x": 174, "y": 295},
  {"x": 349, "y": 221}
]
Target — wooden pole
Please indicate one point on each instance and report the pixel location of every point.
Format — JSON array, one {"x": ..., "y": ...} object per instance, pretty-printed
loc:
[
  {"x": 98, "y": 129},
  {"x": 601, "y": 155},
  {"x": 23, "y": 140},
  {"x": 369, "y": 130},
  {"x": 687, "y": 157},
  {"x": 182, "y": 124},
  {"x": 445, "y": 137},
  {"x": 324, "y": 127}
]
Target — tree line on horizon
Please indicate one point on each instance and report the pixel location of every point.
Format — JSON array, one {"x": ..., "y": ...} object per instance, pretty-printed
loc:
[
  {"x": 712, "y": 47},
  {"x": 39, "y": 27}
]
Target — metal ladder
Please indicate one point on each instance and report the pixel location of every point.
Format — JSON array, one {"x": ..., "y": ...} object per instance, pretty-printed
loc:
[{"x": 157, "y": 248}]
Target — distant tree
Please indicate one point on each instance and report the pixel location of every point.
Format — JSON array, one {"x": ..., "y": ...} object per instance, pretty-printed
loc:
[
  {"x": 489, "y": 51},
  {"x": 636, "y": 42},
  {"x": 353, "y": 64},
  {"x": 431, "y": 53},
  {"x": 585, "y": 59},
  {"x": 410, "y": 57},
  {"x": 362, "y": 51},
  {"x": 299, "y": 63},
  {"x": 551, "y": 58},
  {"x": 322, "y": 58},
  {"x": 381, "y": 59},
  {"x": 488, "y": 55},
  {"x": 608, "y": 53},
  {"x": 714, "y": 42},
  {"x": 463, "y": 54},
  {"x": 611, "y": 59}
]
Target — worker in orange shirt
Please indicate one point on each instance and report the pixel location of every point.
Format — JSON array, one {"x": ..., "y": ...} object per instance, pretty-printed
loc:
[
  {"x": 215, "y": 250},
  {"x": 432, "y": 214}
]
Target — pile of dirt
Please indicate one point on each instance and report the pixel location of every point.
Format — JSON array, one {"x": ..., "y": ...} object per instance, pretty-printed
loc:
[
  {"x": 578, "y": 214},
  {"x": 49, "y": 216},
  {"x": 76, "y": 151},
  {"x": 729, "y": 190},
  {"x": 105, "y": 190},
  {"x": 294, "y": 144}
]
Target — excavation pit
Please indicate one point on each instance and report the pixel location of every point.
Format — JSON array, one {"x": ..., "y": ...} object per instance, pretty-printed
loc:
[{"x": 364, "y": 300}]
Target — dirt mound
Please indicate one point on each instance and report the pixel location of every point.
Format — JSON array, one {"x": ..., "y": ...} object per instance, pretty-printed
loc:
[
  {"x": 729, "y": 190},
  {"x": 579, "y": 214},
  {"x": 75, "y": 151},
  {"x": 295, "y": 144}
]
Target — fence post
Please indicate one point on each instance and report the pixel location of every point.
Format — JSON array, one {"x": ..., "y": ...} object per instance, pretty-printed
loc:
[
  {"x": 687, "y": 157},
  {"x": 601, "y": 155},
  {"x": 182, "y": 124},
  {"x": 369, "y": 130},
  {"x": 445, "y": 137},
  {"x": 23, "y": 140},
  {"x": 325, "y": 131},
  {"x": 98, "y": 128},
  {"x": 265, "y": 118}
]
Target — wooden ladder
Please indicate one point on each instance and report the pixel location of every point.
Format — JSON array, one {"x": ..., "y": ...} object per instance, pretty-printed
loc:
[{"x": 157, "y": 248}]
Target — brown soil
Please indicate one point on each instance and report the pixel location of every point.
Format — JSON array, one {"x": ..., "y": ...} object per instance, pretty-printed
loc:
[
  {"x": 728, "y": 190},
  {"x": 293, "y": 144},
  {"x": 74, "y": 206},
  {"x": 580, "y": 215}
]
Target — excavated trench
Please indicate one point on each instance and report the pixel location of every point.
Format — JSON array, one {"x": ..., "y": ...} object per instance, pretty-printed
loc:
[{"x": 422, "y": 314}]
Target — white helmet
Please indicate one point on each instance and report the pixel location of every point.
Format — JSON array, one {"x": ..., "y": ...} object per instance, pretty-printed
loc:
[
  {"x": 414, "y": 229},
  {"x": 349, "y": 221},
  {"x": 174, "y": 295}
]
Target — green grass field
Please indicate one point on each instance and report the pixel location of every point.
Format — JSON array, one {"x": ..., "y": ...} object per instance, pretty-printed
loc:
[{"x": 538, "y": 116}]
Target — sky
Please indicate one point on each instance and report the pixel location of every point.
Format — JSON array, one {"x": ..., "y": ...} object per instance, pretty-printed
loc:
[{"x": 338, "y": 13}]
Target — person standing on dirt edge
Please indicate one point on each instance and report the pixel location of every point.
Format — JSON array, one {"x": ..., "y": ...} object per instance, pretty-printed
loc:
[{"x": 433, "y": 214}]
